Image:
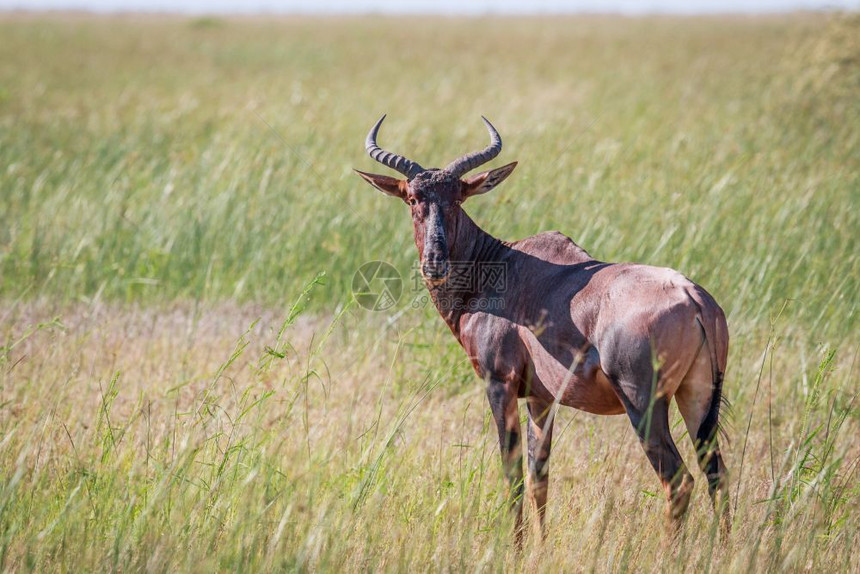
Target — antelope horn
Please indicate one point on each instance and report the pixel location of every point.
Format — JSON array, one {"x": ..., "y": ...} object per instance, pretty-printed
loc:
[
  {"x": 468, "y": 162},
  {"x": 397, "y": 162}
]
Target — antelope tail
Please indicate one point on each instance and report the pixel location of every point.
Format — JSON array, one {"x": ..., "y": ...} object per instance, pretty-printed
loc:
[{"x": 713, "y": 322}]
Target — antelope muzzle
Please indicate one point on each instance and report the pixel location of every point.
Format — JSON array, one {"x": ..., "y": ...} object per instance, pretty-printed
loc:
[{"x": 434, "y": 264}]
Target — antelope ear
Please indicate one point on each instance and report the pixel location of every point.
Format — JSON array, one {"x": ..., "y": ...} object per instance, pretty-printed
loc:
[
  {"x": 484, "y": 182},
  {"x": 385, "y": 184}
]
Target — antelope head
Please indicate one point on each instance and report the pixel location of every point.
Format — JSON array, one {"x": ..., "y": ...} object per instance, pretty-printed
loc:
[{"x": 435, "y": 195}]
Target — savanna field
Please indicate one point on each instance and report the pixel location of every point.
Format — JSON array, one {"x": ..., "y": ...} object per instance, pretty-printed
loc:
[{"x": 188, "y": 384}]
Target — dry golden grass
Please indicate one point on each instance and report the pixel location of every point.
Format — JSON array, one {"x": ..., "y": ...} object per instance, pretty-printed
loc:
[{"x": 131, "y": 437}]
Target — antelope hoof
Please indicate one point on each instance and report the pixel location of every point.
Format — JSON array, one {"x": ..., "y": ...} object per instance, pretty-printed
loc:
[{"x": 680, "y": 499}]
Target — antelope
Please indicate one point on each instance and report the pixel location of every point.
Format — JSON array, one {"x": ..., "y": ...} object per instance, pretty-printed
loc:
[{"x": 567, "y": 329}]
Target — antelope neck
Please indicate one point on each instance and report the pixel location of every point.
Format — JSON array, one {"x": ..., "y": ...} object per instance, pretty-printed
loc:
[
  {"x": 471, "y": 243},
  {"x": 468, "y": 244}
]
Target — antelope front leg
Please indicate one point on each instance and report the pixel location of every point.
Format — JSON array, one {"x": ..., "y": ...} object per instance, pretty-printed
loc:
[
  {"x": 503, "y": 403},
  {"x": 540, "y": 445}
]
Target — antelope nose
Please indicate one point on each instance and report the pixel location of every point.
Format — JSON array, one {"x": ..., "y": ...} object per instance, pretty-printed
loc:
[{"x": 435, "y": 266}]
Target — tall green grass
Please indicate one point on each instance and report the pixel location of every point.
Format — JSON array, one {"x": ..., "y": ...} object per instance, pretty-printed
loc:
[
  {"x": 186, "y": 383},
  {"x": 149, "y": 159}
]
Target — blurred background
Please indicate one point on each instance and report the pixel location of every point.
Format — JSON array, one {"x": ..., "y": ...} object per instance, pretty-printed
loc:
[{"x": 438, "y": 6}]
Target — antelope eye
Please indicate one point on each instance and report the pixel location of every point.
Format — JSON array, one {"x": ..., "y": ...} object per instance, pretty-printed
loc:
[{"x": 413, "y": 201}]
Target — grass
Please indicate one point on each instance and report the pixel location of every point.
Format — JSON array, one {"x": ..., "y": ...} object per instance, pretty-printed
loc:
[{"x": 181, "y": 388}]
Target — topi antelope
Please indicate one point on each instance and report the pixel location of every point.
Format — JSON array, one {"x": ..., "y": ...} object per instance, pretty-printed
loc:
[{"x": 606, "y": 338}]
